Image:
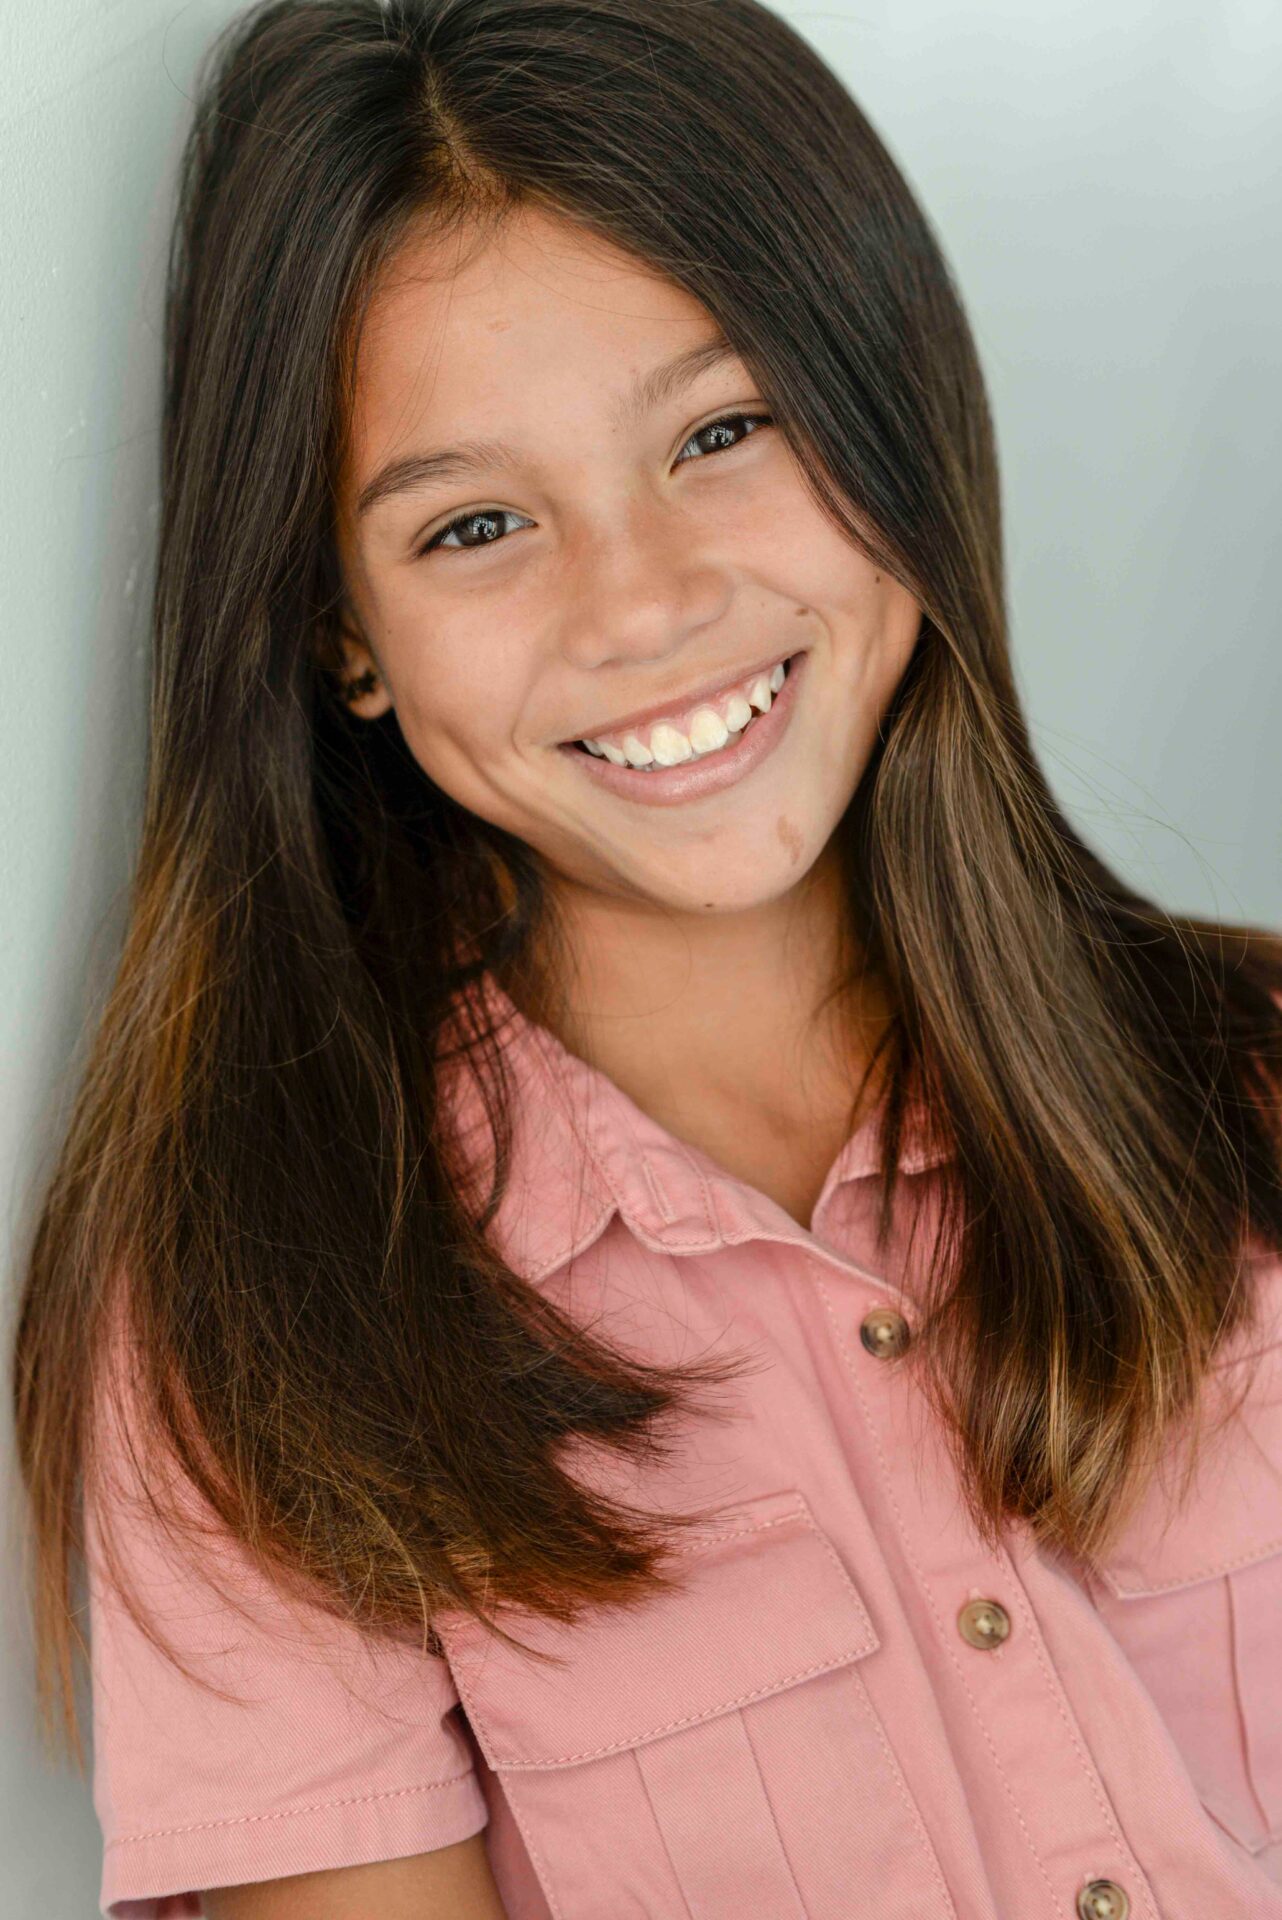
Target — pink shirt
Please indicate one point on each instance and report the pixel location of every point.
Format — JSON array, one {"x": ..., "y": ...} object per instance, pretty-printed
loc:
[{"x": 851, "y": 1707}]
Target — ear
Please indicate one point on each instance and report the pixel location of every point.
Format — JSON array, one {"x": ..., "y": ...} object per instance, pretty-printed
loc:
[{"x": 361, "y": 686}]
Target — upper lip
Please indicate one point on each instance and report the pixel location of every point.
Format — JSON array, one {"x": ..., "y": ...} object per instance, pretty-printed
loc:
[{"x": 678, "y": 702}]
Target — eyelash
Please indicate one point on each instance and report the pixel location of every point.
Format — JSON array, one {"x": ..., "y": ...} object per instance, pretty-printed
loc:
[{"x": 480, "y": 513}]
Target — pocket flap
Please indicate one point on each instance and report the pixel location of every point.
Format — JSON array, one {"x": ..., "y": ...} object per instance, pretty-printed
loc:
[
  {"x": 1232, "y": 1515},
  {"x": 763, "y": 1604}
]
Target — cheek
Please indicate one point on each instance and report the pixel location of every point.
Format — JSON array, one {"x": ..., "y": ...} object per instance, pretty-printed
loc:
[
  {"x": 898, "y": 625},
  {"x": 796, "y": 548},
  {"x": 872, "y": 619},
  {"x": 452, "y": 683},
  {"x": 460, "y": 716}
]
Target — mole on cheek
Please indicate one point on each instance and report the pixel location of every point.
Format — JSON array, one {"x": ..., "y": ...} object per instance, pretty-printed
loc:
[{"x": 790, "y": 837}]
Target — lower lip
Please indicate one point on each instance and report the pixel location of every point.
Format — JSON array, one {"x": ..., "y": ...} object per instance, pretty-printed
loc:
[{"x": 693, "y": 779}]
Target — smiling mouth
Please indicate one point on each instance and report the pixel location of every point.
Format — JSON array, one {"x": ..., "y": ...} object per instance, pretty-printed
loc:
[{"x": 694, "y": 731}]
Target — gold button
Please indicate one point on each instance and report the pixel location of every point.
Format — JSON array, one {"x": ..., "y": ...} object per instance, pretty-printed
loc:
[
  {"x": 885, "y": 1333},
  {"x": 984, "y": 1624},
  {"x": 1102, "y": 1900}
]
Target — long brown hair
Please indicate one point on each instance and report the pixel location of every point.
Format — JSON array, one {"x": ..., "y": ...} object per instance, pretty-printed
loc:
[{"x": 260, "y": 1182}]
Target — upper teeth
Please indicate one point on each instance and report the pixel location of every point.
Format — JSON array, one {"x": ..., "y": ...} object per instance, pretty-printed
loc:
[{"x": 707, "y": 729}]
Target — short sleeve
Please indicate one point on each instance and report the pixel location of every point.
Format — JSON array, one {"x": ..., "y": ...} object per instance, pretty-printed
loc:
[{"x": 320, "y": 1748}]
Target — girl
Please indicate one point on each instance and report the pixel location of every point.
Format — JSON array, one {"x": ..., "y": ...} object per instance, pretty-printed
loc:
[{"x": 666, "y": 1298}]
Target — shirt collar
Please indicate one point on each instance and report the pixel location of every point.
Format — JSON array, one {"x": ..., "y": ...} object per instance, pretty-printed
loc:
[{"x": 582, "y": 1151}]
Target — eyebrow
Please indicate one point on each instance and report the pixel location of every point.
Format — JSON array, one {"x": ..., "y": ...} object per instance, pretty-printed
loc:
[{"x": 415, "y": 470}]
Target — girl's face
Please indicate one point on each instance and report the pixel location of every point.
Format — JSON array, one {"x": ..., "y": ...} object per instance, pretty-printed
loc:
[{"x": 565, "y": 508}]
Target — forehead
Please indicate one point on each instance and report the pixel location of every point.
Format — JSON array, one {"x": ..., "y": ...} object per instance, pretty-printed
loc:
[{"x": 475, "y": 329}]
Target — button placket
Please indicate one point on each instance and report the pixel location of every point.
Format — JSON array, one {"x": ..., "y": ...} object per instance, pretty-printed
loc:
[{"x": 999, "y": 1708}]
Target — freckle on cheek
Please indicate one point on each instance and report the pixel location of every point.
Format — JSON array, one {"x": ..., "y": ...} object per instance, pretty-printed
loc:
[{"x": 790, "y": 836}]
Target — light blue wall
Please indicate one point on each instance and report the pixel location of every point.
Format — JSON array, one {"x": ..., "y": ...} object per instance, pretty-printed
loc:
[{"x": 1106, "y": 176}]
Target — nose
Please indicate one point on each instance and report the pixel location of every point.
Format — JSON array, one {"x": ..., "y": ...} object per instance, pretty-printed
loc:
[{"x": 640, "y": 586}]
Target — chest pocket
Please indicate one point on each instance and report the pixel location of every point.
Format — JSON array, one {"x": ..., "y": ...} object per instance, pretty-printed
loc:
[
  {"x": 711, "y": 1753},
  {"x": 1193, "y": 1592}
]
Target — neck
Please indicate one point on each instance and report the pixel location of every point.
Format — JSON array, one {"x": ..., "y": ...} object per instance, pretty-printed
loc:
[{"x": 708, "y": 1023}]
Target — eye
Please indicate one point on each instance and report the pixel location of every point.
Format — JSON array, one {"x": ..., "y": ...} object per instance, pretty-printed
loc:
[
  {"x": 488, "y": 521},
  {"x": 720, "y": 429}
]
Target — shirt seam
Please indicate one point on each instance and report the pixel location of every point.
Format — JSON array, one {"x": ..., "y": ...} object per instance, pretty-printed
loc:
[
  {"x": 1243, "y": 1720},
  {"x": 1209, "y": 1572},
  {"x": 518, "y": 1761},
  {"x": 289, "y": 1813}
]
